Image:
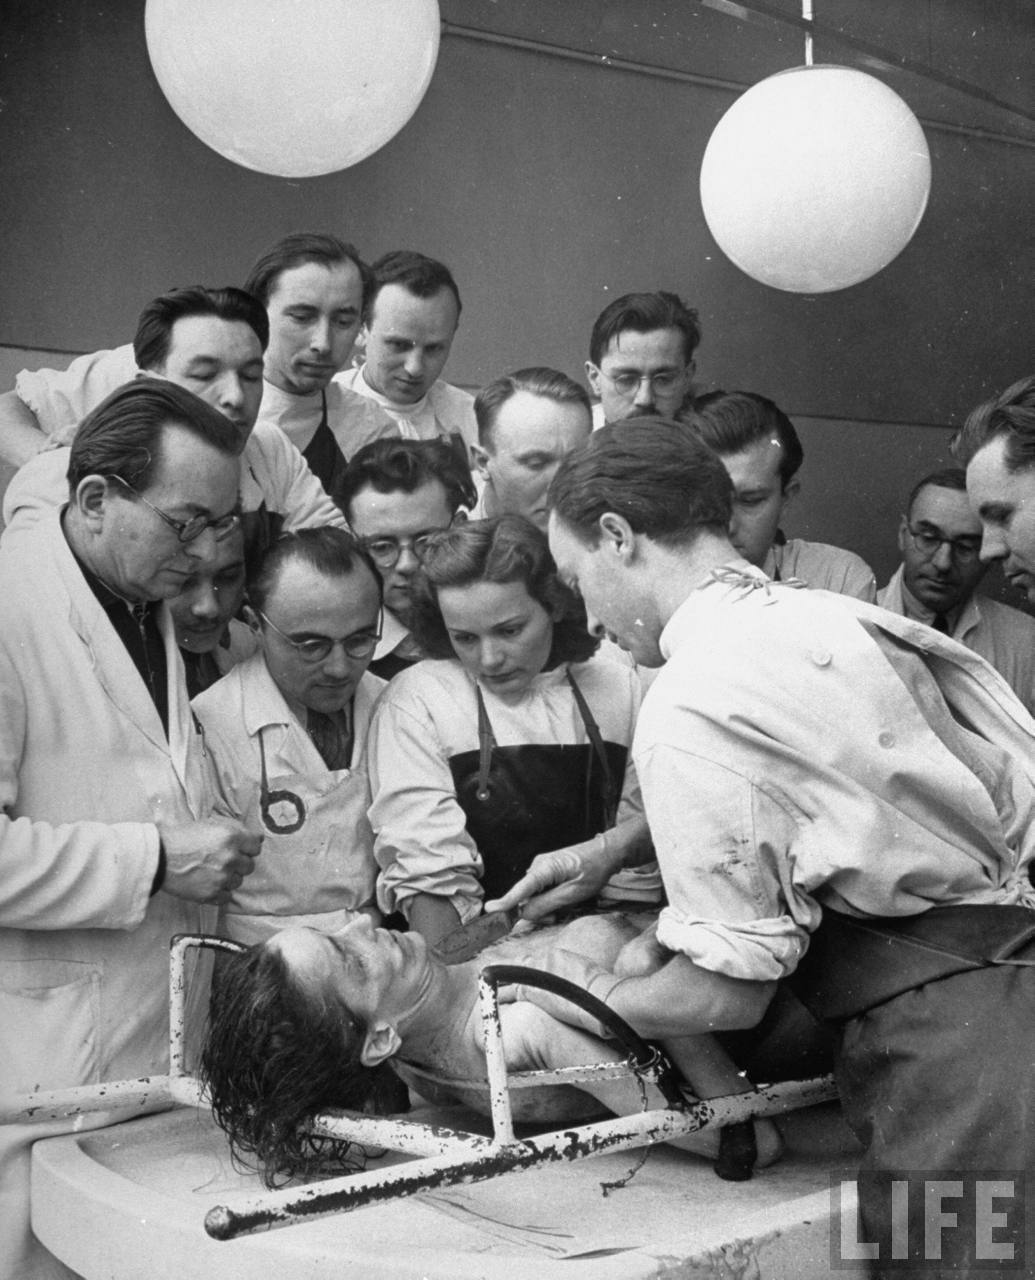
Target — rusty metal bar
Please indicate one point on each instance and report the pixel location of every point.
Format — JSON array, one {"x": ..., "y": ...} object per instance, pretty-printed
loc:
[
  {"x": 178, "y": 982},
  {"x": 495, "y": 1063},
  {"x": 398, "y": 1135},
  {"x": 341, "y": 1195}
]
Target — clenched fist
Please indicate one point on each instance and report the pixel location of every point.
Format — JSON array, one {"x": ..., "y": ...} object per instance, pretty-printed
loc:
[{"x": 206, "y": 861}]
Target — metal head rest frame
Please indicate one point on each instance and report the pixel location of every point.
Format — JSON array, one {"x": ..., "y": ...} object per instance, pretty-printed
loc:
[{"x": 444, "y": 1157}]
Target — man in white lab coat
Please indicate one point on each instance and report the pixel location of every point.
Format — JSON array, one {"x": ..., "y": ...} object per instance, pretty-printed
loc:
[{"x": 106, "y": 843}]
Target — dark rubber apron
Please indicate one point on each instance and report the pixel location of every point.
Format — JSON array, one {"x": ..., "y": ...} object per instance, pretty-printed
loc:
[
  {"x": 325, "y": 460},
  {"x": 524, "y": 800}
]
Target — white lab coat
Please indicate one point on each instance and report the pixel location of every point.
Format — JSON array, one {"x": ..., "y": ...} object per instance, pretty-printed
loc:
[
  {"x": 324, "y": 873},
  {"x": 85, "y": 772}
]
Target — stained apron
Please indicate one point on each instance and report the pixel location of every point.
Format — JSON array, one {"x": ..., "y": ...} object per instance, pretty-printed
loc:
[
  {"x": 317, "y": 865},
  {"x": 524, "y": 800}
]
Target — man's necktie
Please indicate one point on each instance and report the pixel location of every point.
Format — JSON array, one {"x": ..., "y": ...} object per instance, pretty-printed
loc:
[{"x": 332, "y": 736}]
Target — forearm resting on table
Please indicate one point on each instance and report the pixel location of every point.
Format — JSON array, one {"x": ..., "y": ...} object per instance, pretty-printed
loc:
[{"x": 21, "y": 436}]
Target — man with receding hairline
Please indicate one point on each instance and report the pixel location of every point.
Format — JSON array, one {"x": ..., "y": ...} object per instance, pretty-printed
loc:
[
  {"x": 107, "y": 840},
  {"x": 411, "y": 313},
  {"x": 940, "y": 540}
]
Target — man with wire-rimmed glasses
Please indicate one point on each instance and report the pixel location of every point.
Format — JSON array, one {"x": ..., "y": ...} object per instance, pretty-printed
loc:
[
  {"x": 395, "y": 494},
  {"x": 286, "y": 731},
  {"x": 641, "y": 356},
  {"x": 107, "y": 838},
  {"x": 940, "y": 541}
]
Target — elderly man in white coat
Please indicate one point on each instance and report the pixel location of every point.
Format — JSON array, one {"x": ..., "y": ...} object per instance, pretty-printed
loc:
[{"x": 106, "y": 842}]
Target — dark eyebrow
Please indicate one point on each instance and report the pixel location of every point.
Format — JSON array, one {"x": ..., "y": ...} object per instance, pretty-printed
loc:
[{"x": 996, "y": 512}]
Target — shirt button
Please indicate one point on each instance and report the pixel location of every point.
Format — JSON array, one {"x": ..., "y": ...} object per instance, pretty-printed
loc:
[
  {"x": 821, "y": 657},
  {"x": 886, "y": 738}
]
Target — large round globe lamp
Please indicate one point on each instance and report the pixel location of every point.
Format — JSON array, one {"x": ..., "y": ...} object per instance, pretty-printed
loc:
[
  {"x": 815, "y": 179},
  {"x": 293, "y": 88}
]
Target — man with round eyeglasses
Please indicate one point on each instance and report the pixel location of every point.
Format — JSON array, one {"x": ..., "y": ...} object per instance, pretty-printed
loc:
[
  {"x": 107, "y": 836},
  {"x": 286, "y": 731},
  {"x": 395, "y": 495},
  {"x": 940, "y": 540},
  {"x": 641, "y": 356}
]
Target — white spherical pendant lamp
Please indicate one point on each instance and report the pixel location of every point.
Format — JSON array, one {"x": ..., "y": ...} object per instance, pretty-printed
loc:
[
  {"x": 293, "y": 88},
  {"x": 815, "y": 179}
]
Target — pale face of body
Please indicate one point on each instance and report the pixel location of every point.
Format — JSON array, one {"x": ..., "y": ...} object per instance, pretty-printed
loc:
[
  {"x": 221, "y": 362},
  {"x": 407, "y": 342},
  {"x": 501, "y": 635},
  {"x": 530, "y": 438},
  {"x": 129, "y": 545},
  {"x": 380, "y": 973},
  {"x": 315, "y": 313},
  {"x": 642, "y": 373},
  {"x": 1004, "y": 501},
  {"x": 942, "y": 577},
  {"x": 202, "y": 611},
  {"x": 759, "y": 497},
  {"x": 393, "y": 527},
  {"x": 616, "y": 605},
  {"x": 306, "y": 605}
]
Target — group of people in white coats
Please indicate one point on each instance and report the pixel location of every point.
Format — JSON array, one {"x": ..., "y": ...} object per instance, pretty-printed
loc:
[{"x": 191, "y": 739}]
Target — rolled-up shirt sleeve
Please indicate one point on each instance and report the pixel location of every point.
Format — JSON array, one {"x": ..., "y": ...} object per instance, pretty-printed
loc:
[
  {"x": 724, "y": 846},
  {"x": 420, "y": 833}
]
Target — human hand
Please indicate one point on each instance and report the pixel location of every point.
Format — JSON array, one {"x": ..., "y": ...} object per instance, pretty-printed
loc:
[
  {"x": 560, "y": 879},
  {"x": 206, "y": 861}
]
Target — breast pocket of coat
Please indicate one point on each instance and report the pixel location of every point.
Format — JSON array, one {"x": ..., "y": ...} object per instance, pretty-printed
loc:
[{"x": 49, "y": 1022}]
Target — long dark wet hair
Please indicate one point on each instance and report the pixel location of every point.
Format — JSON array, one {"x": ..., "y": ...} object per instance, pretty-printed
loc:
[{"x": 278, "y": 1054}]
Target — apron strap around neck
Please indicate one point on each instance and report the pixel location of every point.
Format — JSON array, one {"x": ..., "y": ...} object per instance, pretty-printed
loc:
[
  {"x": 487, "y": 741},
  {"x": 596, "y": 738}
]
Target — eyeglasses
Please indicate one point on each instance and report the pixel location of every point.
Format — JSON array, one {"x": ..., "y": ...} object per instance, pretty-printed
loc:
[
  {"x": 188, "y": 530},
  {"x": 317, "y": 648},
  {"x": 929, "y": 542},
  {"x": 385, "y": 552},
  {"x": 629, "y": 383}
]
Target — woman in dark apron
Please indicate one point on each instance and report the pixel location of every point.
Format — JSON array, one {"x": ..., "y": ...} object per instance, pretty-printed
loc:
[{"x": 511, "y": 740}]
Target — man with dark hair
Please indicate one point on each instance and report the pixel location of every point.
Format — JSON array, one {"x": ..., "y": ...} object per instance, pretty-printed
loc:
[
  {"x": 209, "y": 635},
  {"x": 997, "y": 446},
  {"x": 287, "y": 731},
  {"x": 760, "y": 448},
  {"x": 396, "y": 493},
  {"x": 410, "y": 319},
  {"x": 528, "y": 422},
  {"x": 312, "y": 287},
  {"x": 641, "y": 356},
  {"x": 211, "y": 342},
  {"x": 106, "y": 837},
  {"x": 817, "y": 774},
  {"x": 940, "y": 540}
]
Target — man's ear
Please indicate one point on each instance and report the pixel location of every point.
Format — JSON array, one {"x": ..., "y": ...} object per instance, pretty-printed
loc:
[
  {"x": 251, "y": 617},
  {"x": 480, "y": 460},
  {"x": 381, "y": 1042},
  {"x": 593, "y": 378},
  {"x": 617, "y": 533},
  {"x": 790, "y": 492},
  {"x": 90, "y": 499},
  {"x": 903, "y": 534}
]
